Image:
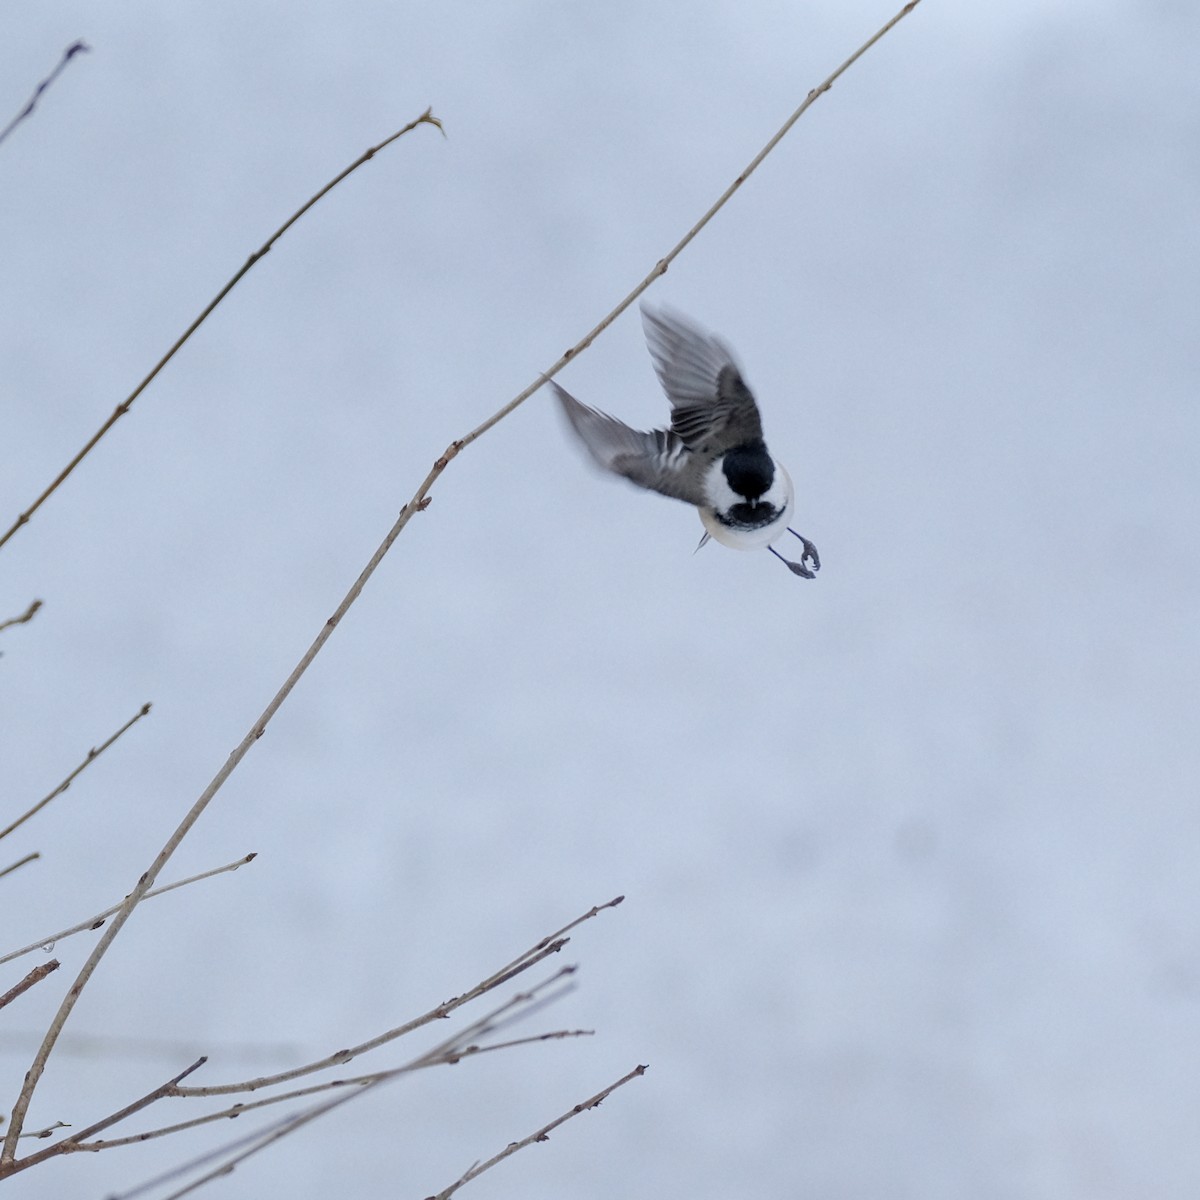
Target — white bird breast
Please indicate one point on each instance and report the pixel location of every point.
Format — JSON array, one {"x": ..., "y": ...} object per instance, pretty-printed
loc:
[{"x": 722, "y": 497}]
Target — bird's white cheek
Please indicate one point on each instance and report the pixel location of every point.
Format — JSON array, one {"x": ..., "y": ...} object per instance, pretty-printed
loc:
[{"x": 717, "y": 490}]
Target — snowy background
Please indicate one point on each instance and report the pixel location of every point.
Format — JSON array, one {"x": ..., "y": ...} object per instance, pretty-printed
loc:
[{"x": 911, "y": 852}]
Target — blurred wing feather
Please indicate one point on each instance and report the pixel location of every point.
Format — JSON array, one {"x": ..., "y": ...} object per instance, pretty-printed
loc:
[
  {"x": 657, "y": 459},
  {"x": 712, "y": 409}
]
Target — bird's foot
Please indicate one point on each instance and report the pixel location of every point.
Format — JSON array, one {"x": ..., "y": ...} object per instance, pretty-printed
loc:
[
  {"x": 810, "y": 554},
  {"x": 796, "y": 568}
]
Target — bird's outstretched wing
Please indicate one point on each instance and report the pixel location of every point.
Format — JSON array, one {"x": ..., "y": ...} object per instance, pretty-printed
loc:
[
  {"x": 712, "y": 409},
  {"x": 657, "y": 459}
]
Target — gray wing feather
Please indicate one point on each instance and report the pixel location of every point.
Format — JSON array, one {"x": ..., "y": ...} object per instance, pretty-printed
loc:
[
  {"x": 712, "y": 409},
  {"x": 657, "y": 459}
]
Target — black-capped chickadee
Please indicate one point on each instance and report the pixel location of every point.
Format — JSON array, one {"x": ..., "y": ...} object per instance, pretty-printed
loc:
[{"x": 713, "y": 455}]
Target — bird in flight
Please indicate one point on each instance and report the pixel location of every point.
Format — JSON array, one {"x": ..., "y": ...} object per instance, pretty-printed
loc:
[{"x": 713, "y": 455}]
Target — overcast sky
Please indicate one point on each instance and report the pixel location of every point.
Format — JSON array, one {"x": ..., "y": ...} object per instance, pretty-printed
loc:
[{"x": 910, "y": 850}]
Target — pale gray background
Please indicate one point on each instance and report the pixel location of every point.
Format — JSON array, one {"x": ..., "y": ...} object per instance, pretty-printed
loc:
[{"x": 910, "y": 851}]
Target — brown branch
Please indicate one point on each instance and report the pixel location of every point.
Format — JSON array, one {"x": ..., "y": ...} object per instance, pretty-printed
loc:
[
  {"x": 93, "y": 754},
  {"x": 449, "y": 1051},
  {"x": 27, "y": 615},
  {"x": 541, "y": 1135},
  {"x": 234, "y": 1111},
  {"x": 20, "y": 862},
  {"x": 163, "y": 1089},
  {"x": 542, "y": 950},
  {"x": 34, "y": 976},
  {"x": 259, "y": 1140},
  {"x": 426, "y": 118},
  {"x": 98, "y": 920},
  {"x": 49, "y": 1131},
  {"x": 68, "y": 54},
  {"x": 420, "y": 498},
  {"x": 460, "y": 1045}
]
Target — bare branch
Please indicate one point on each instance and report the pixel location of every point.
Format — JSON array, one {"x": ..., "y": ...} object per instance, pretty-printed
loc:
[
  {"x": 426, "y": 118},
  {"x": 534, "y": 955},
  {"x": 541, "y": 1135},
  {"x": 27, "y": 615},
  {"x": 20, "y": 862},
  {"x": 98, "y": 920},
  {"x": 460, "y": 1045},
  {"x": 505, "y": 971},
  {"x": 93, "y": 754},
  {"x": 421, "y": 497},
  {"x": 163, "y": 1089},
  {"x": 451, "y": 1050},
  {"x": 68, "y": 54},
  {"x": 34, "y": 976},
  {"x": 49, "y": 1131},
  {"x": 257, "y": 1140},
  {"x": 358, "y": 1081}
]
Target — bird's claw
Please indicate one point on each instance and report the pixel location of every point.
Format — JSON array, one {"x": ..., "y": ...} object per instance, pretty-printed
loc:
[
  {"x": 796, "y": 568},
  {"x": 810, "y": 554}
]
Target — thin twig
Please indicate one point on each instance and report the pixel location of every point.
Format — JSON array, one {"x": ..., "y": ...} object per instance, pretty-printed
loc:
[
  {"x": 68, "y": 54},
  {"x": 49, "y": 1131},
  {"x": 540, "y": 1135},
  {"x": 460, "y": 1045},
  {"x": 426, "y": 118},
  {"x": 27, "y": 615},
  {"x": 271, "y": 1133},
  {"x": 341, "y": 1057},
  {"x": 237, "y": 1110},
  {"x": 20, "y": 862},
  {"x": 534, "y": 955},
  {"x": 258, "y": 1140},
  {"x": 98, "y": 920},
  {"x": 34, "y": 976},
  {"x": 163, "y": 1089},
  {"x": 418, "y": 503},
  {"x": 93, "y": 754},
  {"x": 557, "y": 936}
]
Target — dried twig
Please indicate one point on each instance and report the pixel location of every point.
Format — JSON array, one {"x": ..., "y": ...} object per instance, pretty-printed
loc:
[
  {"x": 49, "y": 1130},
  {"x": 551, "y": 944},
  {"x": 68, "y": 54},
  {"x": 27, "y": 615},
  {"x": 420, "y": 498},
  {"x": 357, "y": 1081},
  {"x": 541, "y": 1135},
  {"x": 98, "y": 920},
  {"x": 20, "y": 862},
  {"x": 93, "y": 754},
  {"x": 460, "y": 1045},
  {"x": 451, "y": 1050},
  {"x": 163, "y": 1089},
  {"x": 34, "y": 976},
  {"x": 258, "y": 1140},
  {"x": 426, "y": 118}
]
